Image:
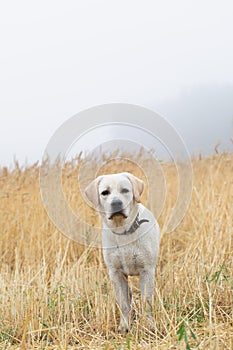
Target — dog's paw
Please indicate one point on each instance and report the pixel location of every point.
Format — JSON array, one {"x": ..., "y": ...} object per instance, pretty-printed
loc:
[
  {"x": 123, "y": 327},
  {"x": 149, "y": 323}
]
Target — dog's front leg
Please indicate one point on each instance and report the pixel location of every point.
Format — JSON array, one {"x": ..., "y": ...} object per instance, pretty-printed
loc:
[
  {"x": 147, "y": 278},
  {"x": 123, "y": 297}
]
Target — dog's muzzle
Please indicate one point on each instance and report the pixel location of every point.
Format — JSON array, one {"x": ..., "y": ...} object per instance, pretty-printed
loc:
[
  {"x": 117, "y": 209},
  {"x": 116, "y": 205}
]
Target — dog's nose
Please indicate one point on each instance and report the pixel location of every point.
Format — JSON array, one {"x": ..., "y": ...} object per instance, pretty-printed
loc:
[{"x": 116, "y": 204}]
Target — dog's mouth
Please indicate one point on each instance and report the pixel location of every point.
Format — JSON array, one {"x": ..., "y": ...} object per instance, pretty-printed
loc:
[{"x": 118, "y": 215}]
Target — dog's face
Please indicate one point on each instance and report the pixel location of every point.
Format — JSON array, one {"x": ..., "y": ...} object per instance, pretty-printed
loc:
[{"x": 115, "y": 197}]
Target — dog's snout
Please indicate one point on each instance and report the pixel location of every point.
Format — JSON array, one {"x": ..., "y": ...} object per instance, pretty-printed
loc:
[{"x": 116, "y": 204}]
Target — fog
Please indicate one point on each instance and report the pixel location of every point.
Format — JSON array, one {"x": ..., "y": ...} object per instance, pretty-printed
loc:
[
  {"x": 58, "y": 58},
  {"x": 203, "y": 115}
]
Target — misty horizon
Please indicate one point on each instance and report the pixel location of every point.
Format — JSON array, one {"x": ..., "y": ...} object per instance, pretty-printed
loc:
[{"x": 59, "y": 59}]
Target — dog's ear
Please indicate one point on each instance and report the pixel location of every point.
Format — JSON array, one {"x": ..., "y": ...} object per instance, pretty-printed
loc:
[
  {"x": 91, "y": 191},
  {"x": 138, "y": 186}
]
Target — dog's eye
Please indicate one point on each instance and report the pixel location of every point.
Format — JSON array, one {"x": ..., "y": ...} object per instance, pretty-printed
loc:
[
  {"x": 124, "y": 190},
  {"x": 105, "y": 193}
]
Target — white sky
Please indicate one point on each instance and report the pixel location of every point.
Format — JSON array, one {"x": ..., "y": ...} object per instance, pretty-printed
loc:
[{"x": 60, "y": 57}]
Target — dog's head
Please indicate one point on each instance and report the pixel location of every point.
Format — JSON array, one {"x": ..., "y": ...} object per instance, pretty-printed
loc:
[{"x": 115, "y": 197}]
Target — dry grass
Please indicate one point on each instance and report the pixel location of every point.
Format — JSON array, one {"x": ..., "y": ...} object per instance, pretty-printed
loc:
[{"x": 56, "y": 294}]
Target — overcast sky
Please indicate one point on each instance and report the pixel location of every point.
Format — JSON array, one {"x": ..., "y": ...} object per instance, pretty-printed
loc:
[{"x": 60, "y": 57}]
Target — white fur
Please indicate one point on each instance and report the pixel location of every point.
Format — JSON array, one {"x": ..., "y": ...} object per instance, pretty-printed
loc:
[{"x": 132, "y": 254}]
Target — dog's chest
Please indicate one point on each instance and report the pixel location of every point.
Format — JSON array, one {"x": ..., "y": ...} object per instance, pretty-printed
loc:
[{"x": 130, "y": 260}]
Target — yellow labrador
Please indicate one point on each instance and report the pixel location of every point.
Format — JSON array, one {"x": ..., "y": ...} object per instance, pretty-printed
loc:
[{"x": 130, "y": 236}]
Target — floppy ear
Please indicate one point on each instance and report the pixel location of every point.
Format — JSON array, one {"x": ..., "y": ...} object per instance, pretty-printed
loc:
[
  {"x": 91, "y": 191},
  {"x": 138, "y": 186}
]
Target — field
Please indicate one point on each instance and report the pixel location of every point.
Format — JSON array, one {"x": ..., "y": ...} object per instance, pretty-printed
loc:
[{"x": 56, "y": 293}]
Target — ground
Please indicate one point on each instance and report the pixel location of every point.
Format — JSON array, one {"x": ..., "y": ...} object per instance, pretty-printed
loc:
[{"x": 56, "y": 293}]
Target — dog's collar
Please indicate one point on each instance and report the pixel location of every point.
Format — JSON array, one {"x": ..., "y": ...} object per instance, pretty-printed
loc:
[{"x": 135, "y": 225}]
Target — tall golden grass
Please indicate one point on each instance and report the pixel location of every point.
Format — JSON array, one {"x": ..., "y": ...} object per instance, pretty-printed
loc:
[{"x": 56, "y": 294}]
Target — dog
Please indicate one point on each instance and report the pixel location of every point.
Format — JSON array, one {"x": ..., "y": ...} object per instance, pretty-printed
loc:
[{"x": 130, "y": 237}]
